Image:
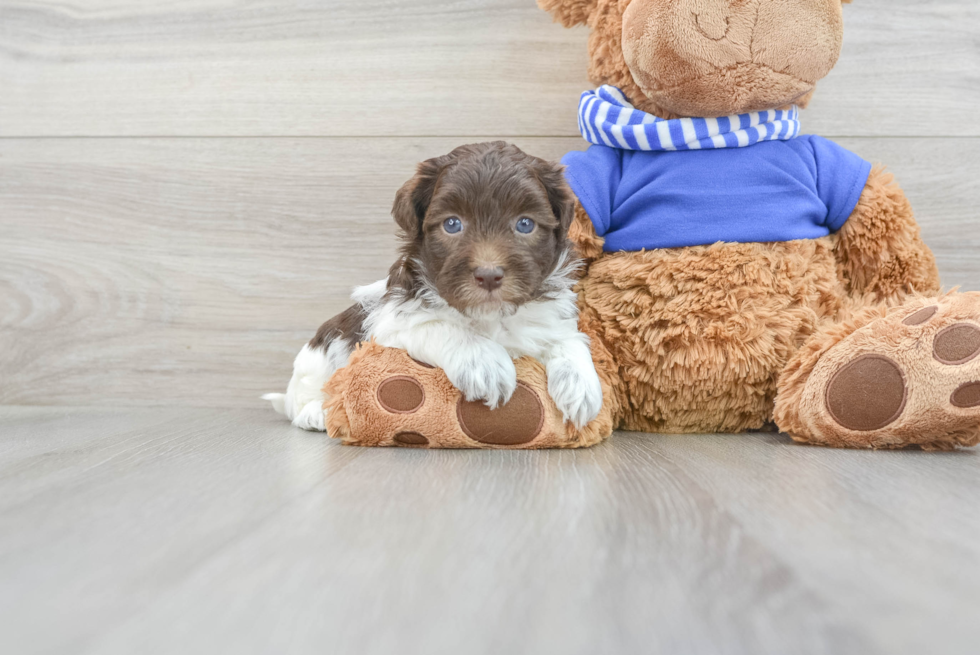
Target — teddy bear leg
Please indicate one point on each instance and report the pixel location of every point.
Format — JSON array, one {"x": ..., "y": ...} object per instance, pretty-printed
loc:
[
  {"x": 383, "y": 397},
  {"x": 888, "y": 378}
]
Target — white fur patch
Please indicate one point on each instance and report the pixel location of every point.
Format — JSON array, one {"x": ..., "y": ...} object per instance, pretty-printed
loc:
[{"x": 303, "y": 401}]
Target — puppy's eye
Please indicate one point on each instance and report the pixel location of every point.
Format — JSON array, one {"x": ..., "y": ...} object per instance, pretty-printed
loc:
[
  {"x": 525, "y": 225},
  {"x": 452, "y": 225}
]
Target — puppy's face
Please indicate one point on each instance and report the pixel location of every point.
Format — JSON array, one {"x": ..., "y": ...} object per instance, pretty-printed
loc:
[{"x": 484, "y": 225}]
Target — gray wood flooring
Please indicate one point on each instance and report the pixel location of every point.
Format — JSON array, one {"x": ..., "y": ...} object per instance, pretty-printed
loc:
[
  {"x": 188, "y": 189},
  {"x": 159, "y": 530}
]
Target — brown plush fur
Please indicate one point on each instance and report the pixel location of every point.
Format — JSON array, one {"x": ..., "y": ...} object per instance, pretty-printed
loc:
[
  {"x": 729, "y": 337},
  {"x": 880, "y": 250},
  {"x": 928, "y": 420},
  {"x": 715, "y": 58},
  {"x": 700, "y": 333},
  {"x": 724, "y": 58},
  {"x": 357, "y": 416}
]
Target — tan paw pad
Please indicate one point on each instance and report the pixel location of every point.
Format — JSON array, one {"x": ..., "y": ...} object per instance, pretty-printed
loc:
[
  {"x": 401, "y": 394},
  {"x": 518, "y": 421},
  {"x": 412, "y": 439},
  {"x": 921, "y": 316},
  {"x": 966, "y": 395},
  {"x": 907, "y": 378},
  {"x": 869, "y": 393},
  {"x": 957, "y": 344}
]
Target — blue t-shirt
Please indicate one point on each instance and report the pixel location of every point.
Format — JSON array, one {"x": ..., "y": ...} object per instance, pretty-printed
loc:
[{"x": 803, "y": 188}]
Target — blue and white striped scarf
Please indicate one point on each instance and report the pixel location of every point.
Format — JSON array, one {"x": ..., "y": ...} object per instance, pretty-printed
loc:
[{"x": 606, "y": 118}]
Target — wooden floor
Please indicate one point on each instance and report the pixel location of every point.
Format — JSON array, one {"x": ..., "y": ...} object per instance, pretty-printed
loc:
[
  {"x": 188, "y": 189},
  {"x": 203, "y": 531}
]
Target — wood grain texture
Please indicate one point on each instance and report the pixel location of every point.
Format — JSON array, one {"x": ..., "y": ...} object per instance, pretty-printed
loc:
[
  {"x": 202, "y": 531},
  {"x": 425, "y": 67},
  {"x": 190, "y": 271}
]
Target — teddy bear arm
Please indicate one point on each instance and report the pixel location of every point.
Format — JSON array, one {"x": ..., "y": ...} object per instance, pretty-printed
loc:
[
  {"x": 582, "y": 234},
  {"x": 879, "y": 250},
  {"x": 383, "y": 397}
]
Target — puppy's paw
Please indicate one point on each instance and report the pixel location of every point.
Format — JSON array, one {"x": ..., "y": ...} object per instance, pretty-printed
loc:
[
  {"x": 311, "y": 417},
  {"x": 575, "y": 388},
  {"x": 486, "y": 373}
]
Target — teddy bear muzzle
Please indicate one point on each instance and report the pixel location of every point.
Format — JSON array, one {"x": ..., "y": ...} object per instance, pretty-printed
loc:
[{"x": 722, "y": 57}]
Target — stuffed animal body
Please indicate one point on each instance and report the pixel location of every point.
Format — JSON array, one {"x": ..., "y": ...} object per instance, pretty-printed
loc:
[
  {"x": 738, "y": 274},
  {"x": 385, "y": 398}
]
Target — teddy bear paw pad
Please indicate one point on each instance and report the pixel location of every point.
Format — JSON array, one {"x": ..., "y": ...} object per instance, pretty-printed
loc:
[
  {"x": 401, "y": 394},
  {"x": 868, "y": 393},
  {"x": 912, "y": 377},
  {"x": 957, "y": 344},
  {"x": 966, "y": 395},
  {"x": 410, "y": 439},
  {"x": 921, "y": 316},
  {"x": 518, "y": 421}
]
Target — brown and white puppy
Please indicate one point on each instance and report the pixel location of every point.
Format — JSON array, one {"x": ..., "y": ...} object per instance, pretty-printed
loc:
[{"x": 485, "y": 276}]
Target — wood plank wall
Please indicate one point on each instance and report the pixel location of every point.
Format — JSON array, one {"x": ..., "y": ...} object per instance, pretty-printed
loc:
[{"x": 187, "y": 191}]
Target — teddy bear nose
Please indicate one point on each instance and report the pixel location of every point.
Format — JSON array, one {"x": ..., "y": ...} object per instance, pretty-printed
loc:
[{"x": 489, "y": 277}]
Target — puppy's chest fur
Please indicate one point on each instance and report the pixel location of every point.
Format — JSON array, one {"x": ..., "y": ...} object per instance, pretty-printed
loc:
[{"x": 528, "y": 330}]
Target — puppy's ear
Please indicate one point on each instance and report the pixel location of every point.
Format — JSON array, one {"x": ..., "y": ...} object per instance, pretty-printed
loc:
[
  {"x": 560, "y": 196},
  {"x": 570, "y": 12},
  {"x": 412, "y": 200}
]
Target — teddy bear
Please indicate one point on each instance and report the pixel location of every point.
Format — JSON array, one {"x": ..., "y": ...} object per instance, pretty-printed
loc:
[{"x": 739, "y": 275}]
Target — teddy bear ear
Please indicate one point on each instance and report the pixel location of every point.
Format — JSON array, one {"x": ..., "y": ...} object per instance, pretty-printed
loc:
[{"x": 570, "y": 12}]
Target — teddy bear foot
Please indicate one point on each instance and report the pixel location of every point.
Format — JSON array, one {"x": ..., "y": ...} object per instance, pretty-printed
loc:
[
  {"x": 383, "y": 397},
  {"x": 911, "y": 377}
]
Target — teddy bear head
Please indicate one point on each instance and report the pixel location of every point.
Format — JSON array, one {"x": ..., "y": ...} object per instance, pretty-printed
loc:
[{"x": 679, "y": 58}]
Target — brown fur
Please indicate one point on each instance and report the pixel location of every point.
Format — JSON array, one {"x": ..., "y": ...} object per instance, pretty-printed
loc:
[
  {"x": 569, "y": 12},
  {"x": 714, "y": 58},
  {"x": 488, "y": 187},
  {"x": 880, "y": 250},
  {"x": 347, "y": 325},
  {"x": 859, "y": 312},
  {"x": 694, "y": 361},
  {"x": 730, "y": 337},
  {"x": 726, "y": 337},
  {"x": 699, "y": 334},
  {"x": 583, "y": 237},
  {"x": 930, "y": 421},
  {"x": 357, "y": 418}
]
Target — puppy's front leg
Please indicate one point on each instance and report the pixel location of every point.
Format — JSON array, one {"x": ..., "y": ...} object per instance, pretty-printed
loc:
[
  {"x": 572, "y": 380},
  {"x": 480, "y": 368}
]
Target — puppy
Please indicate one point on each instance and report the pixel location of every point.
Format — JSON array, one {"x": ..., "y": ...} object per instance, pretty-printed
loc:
[{"x": 484, "y": 276}]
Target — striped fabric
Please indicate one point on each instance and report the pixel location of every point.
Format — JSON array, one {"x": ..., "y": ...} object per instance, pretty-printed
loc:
[{"x": 606, "y": 118}]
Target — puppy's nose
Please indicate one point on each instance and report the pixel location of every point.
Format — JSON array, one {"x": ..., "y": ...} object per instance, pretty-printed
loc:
[{"x": 488, "y": 277}]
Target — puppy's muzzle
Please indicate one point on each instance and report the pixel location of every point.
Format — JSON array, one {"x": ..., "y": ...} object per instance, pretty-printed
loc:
[{"x": 489, "y": 278}]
